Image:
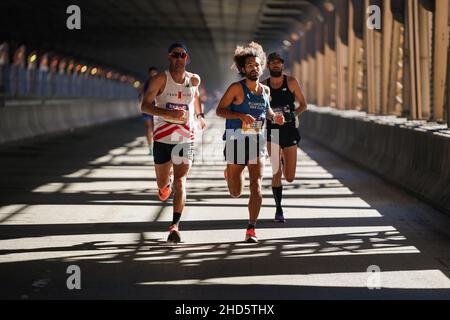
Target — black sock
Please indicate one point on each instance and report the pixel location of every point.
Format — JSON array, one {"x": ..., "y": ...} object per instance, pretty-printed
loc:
[
  {"x": 278, "y": 196},
  {"x": 176, "y": 218},
  {"x": 250, "y": 226}
]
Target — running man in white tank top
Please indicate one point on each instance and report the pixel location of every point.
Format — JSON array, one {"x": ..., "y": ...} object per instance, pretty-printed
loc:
[{"x": 177, "y": 108}]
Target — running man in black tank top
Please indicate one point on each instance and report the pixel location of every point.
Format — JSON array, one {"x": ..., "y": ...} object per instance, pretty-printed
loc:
[{"x": 283, "y": 140}]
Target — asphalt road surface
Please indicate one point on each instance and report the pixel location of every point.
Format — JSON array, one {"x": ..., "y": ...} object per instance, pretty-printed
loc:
[{"x": 88, "y": 199}]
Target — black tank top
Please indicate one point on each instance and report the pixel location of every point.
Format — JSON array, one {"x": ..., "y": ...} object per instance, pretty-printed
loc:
[{"x": 282, "y": 100}]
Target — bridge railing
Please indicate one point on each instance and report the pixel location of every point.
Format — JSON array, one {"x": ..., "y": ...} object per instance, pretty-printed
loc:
[
  {"x": 397, "y": 67},
  {"x": 19, "y": 82}
]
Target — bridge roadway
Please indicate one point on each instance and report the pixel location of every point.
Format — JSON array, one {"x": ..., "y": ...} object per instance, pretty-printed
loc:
[{"x": 88, "y": 199}]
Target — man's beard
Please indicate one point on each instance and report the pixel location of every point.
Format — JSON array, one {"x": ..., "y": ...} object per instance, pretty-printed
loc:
[
  {"x": 251, "y": 77},
  {"x": 275, "y": 74},
  {"x": 178, "y": 66}
]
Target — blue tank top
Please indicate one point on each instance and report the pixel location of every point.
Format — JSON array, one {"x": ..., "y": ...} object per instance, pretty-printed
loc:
[{"x": 254, "y": 105}]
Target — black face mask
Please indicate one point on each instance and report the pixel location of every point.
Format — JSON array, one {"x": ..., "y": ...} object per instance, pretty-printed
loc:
[{"x": 275, "y": 74}]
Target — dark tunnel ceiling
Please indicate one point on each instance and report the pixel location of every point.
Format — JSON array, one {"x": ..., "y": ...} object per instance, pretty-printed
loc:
[{"x": 133, "y": 34}]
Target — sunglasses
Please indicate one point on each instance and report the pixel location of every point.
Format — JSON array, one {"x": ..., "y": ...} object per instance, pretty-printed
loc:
[{"x": 177, "y": 55}]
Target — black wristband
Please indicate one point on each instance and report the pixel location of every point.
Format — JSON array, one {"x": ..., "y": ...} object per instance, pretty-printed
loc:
[{"x": 201, "y": 115}]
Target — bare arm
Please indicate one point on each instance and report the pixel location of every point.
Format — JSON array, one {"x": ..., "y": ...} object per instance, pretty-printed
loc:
[
  {"x": 222, "y": 109},
  {"x": 197, "y": 104},
  {"x": 270, "y": 113},
  {"x": 278, "y": 119},
  {"x": 156, "y": 85},
  {"x": 297, "y": 91},
  {"x": 141, "y": 92}
]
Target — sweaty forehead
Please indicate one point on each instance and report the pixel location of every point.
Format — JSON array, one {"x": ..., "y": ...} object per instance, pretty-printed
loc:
[
  {"x": 252, "y": 60},
  {"x": 275, "y": 61},
  {"x": 178, "y": 49}
]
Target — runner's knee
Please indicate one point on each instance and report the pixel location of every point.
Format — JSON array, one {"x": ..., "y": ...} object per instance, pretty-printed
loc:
[
  {"x": 277, "y": 176},
  {"x": 290, "y": 177},
  {"x": 255, "y": 186},
  {"x": 235, "y": 192}
]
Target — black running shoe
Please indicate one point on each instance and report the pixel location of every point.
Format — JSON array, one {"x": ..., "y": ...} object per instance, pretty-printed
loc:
[
  {"x": 279, "y": 217},
  {"x": 174, "y": 235}
]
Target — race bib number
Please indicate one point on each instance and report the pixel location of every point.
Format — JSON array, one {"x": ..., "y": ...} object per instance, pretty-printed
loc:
[
  {"x": 255, "y": 127},
  {"x": 286, "y": 112},
  {"x": 176, "y": 106}
]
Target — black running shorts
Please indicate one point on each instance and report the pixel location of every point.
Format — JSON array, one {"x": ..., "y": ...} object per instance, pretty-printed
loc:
[
  {"x": 287, "y": 136},
  {"x": 164, "y": 152},
  {"x": 244, "y": 150}
]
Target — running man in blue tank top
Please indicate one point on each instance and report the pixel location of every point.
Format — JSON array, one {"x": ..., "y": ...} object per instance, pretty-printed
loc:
[{"x": 245, "y": 106}]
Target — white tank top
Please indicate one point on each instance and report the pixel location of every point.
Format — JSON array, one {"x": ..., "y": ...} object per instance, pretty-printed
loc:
[{"x": 176, "y": 96}]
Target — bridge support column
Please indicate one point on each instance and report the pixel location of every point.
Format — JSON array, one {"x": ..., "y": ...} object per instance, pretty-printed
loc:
[
  {"x": 441, "y": 44},
  {"x": 342, "y": 53}
]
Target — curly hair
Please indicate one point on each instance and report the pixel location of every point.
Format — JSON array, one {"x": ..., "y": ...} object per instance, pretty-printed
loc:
[{"x": 242, "y": 53}]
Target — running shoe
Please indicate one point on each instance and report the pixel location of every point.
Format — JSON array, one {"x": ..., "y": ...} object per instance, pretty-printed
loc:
[
  {"x": 165, "y": 192},
  {"x": 174, "y": 235},
  {"x": 279, "y": 217},
  {"x": 250, "y": 236}
]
